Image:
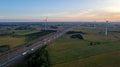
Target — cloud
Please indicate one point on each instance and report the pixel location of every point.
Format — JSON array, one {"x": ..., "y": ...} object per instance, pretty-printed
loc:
[
  {"x": 1, "y": 17},
  {"x": 84, "y": 15},
  {"x": 103, "y": 15},
  {"x": 87, "y": 15}
]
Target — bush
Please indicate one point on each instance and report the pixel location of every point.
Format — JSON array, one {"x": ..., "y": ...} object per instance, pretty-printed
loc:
[
  {"x": 38, "y": 59},
  {"x": 25, "y": 28},
  {"x": 79, "y": 36},
  {"x": 33, "y": 36},
  {"x": 4, "y": 48},
  {"x": 54, "y": 27},
  {"x": 94, "y": 43},
  {"x": 75, "y": 32}
]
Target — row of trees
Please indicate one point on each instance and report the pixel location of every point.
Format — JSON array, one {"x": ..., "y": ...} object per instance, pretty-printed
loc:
[
  {"x": 39, "y": 58},
  {"x": 4, "y": 48},
  {"x": 78, "y": 36}
]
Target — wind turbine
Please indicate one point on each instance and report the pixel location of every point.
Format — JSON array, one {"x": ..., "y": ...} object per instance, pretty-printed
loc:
[
  {"x": 46, "y": 23},
  {"x": 94, "y": 24},
  {"x": 106, "y": 28}
]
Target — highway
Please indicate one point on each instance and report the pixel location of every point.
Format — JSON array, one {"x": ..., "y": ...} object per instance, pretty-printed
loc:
[{"x": 13, "y": 55}]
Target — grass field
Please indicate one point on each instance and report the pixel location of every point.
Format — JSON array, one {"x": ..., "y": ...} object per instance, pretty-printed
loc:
[
  {"x": 20, "y": 37},
  {"x": 11, "y": 41},
  {"x": 25, "y": 32},
  {"x": 111, "y": 59},
  {"x": 68, "y": 52},
  {"x": 15, "y": 41}
]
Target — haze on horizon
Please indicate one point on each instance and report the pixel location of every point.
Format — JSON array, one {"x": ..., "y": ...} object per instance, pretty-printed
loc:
[{"x": 60, "y": 10}]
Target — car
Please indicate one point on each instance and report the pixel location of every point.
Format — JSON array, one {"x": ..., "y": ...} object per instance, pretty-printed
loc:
[
  {"x": 24, "y": 53},
  {"x": 32, "y": 49}
]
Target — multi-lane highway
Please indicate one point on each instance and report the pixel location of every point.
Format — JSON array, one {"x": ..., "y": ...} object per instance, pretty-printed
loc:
[{"x": 13, "y": 55}]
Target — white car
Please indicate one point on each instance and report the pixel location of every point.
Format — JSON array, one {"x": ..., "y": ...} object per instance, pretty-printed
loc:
[
  {"x": 24, "y": 53},
  {"x": 32, "y": 49}
]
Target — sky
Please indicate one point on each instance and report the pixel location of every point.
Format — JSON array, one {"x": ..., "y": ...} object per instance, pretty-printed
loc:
[{"x": 59, "y": 10}]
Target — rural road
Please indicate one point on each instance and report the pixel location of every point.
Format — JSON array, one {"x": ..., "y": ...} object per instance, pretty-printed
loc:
[{"x": 12, "y": 56}]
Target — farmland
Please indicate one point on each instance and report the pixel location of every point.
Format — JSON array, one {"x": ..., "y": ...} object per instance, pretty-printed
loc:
[
  {"x": 11, "y": 41},
  {"x": 15, "y": 35},
  {"x": 103, "y": 52},
  {"x": 83, "y": 46},
  {"x": 15, "y": 41}
]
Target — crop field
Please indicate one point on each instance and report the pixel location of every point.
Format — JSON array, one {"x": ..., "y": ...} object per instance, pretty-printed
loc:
[
  {"x": 25, "y": 32},
  {"x": 14, "y": 41},
  {"x": 11, "y": 41},
  {"x": 103, "y": 60},
  {"x": 94, "y": 50}
]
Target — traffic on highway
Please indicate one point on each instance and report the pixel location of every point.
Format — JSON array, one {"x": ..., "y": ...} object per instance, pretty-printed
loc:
[{"x": 14, "y": 55}]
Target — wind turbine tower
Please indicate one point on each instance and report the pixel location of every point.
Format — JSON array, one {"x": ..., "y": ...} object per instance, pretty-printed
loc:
[
  {"x": 94, "y": 24},
  {"x": 46, "y": 23},
  {"x": 106, "y": 29}
]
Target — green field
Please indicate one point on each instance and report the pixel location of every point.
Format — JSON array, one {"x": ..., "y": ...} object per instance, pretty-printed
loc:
[
  {"x": 25, "y": 32},
  {"x": 11, "y": 41},
  {"x": 69, "y": 52},
  {"x": 19, "y": 37},
  {"x": 14, "y": 41},
  {"x": 111, "y": 59}
]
